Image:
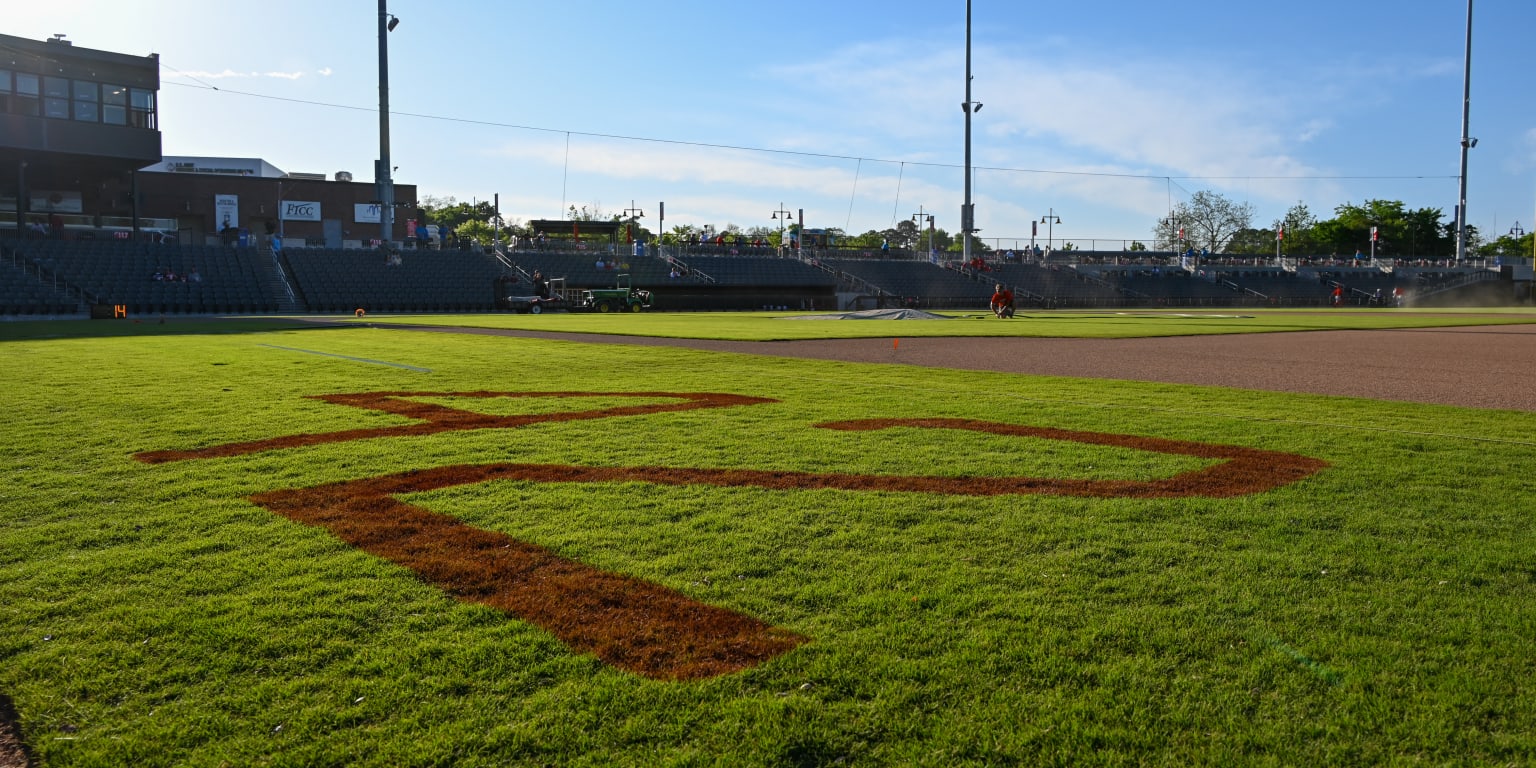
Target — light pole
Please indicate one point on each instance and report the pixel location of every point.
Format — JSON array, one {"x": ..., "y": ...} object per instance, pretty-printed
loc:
[
  {"x": 1467, "y": 142},
  {"x": 782, "y": 216},
  {"x": 919, "y": 218},
  {"x": 1174, "y": 225},
  {"x": 1050, "y": 220},
  {"x": 634, "y": 214},
  {"x": 968, "y": 210},
  {"x": 381, "y": 173}
]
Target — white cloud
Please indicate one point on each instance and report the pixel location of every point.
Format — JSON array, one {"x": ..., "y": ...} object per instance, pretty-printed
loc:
[
  {"x": 1313, "y": 128},
  {"x": 228, "y": 74}
]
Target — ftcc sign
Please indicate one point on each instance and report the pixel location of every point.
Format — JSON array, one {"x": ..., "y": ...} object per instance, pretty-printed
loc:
[{"x": 298, "y": 210}]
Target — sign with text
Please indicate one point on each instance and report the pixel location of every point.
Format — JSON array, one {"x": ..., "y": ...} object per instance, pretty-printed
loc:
[
  {"x": 366, "y": 213},
  {"x": 299, "y": 210},
  {"x": 226, "y": 211}
]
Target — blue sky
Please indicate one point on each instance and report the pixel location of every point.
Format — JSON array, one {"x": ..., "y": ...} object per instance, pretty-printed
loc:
[{"x": 1103, "y": 112}]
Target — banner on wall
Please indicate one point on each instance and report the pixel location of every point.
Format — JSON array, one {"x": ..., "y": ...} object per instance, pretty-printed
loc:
[
  {"x": 56, "y": 202},
  {"x": 226, "y": 211},
  {"x": 366, "y": 213},
  {"x": 299, "y": 210}
]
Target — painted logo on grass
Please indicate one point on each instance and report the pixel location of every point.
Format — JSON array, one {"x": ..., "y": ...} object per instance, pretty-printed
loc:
[{"x": 630, "y": 623}]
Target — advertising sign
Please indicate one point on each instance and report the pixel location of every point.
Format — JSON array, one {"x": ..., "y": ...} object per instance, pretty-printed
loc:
[
  {"x": 226, "y": 211},
  {"x": 56, "y": 202},
  {"x": 299, "y": 210},
  {"x": 366, "y": 213}
]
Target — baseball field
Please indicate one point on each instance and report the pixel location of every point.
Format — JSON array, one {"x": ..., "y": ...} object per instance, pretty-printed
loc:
[{"x": 1282, "y": 538}]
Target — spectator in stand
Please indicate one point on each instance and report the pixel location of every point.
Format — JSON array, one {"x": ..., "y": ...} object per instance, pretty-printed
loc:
[
  {"x": 1002, "y": 302},
  {"x": 885, "y": 247},
  {"x": 194, "y": 277}
]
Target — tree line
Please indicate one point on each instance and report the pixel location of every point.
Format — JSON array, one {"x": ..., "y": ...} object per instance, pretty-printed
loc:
[{"x": 1208, "y": 221}]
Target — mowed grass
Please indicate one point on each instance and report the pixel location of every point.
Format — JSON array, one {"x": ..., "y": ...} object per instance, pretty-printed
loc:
[
  {"x": 1379, "y": 612},
  {"x": 777, "y": 326}
]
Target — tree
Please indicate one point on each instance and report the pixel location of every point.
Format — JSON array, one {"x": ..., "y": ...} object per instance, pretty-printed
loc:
[
  {"x": 1254, "y": 242},
  {"x": 977, "y": 246},
  {"x": 1209, "y": 221},
  {"x": 477, "y": 231},
  {"x": 1509, "y": 245},
  {"x": 1400, "y": 233},
  {"x": 449, "y": 212},
  {"x": 595, "y": 213},
  {"x": 1298, "y": 225}
]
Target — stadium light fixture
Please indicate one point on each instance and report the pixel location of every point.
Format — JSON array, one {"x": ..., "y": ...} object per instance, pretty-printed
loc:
[
  {"x": 783, "y": 216},
  {"x": 968, "y": 209},
  {"x": 1050, "y": 220},
  {"x": 381, "y": 174},
  {"x": 1467, "y": 142}
]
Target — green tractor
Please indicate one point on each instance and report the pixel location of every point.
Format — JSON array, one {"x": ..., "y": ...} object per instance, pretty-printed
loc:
[{"x": 621, "y": 298}]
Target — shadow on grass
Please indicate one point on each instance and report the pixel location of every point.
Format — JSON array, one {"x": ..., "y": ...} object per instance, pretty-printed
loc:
[
  {"x": 13, "y": 750},
  {"x": 39, "y": 330}
]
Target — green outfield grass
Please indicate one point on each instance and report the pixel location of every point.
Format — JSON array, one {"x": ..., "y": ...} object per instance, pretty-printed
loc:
[
  {"x": 773, "y": 326},
  {"x": 1380, "y": 611}
]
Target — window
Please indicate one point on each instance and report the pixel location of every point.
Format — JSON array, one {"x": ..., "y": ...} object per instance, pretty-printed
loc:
[
  {"x": 5, "y": 81},
  {"x": 26, "y": 101},
  {"x": 114, "y": 104},
  {"x": 86, "y": 95},
  {"x": 141, "y": 113},
  {"x": 56, "y": 97}
]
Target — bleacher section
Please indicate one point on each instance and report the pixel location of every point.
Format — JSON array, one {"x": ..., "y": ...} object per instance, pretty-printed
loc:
[
  {"x": 760, "y": 271},
  {"x": 342, "y": 280},
  {"x": 22, "y": 293},
  {"x": 209, "y": 279},
  {"x": 580, "y": 270},
  {"x": 1057, "y": 285},
  {"x": 935, "y": 286},
  {"x": 53, "y": 277}
]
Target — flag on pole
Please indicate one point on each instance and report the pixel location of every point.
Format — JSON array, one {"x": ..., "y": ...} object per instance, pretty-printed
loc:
[
  {"x": 1373, "y": 234},
  {"x": 1280, "y": 231}
]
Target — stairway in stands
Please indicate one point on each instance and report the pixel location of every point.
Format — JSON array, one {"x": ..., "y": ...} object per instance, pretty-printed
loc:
[{"x": 276, "y": 282}]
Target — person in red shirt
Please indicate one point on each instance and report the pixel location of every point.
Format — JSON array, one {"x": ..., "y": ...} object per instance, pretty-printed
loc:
[{"x": 1002, "y": 302}]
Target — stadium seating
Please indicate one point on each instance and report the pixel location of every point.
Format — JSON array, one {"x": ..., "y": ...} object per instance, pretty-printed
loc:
[
  {"x": 123, "y": 272},
  {"x": 341, "y": 280}
]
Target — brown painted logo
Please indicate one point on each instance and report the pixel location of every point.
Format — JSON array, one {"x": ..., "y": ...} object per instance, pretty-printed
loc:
[{"x": 633, "y": 624}]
